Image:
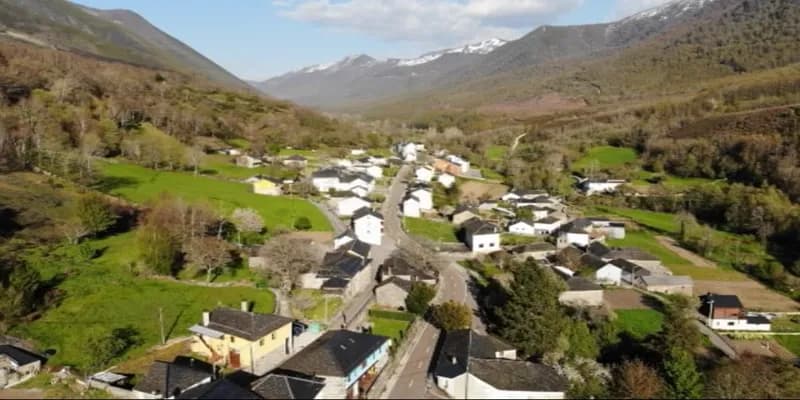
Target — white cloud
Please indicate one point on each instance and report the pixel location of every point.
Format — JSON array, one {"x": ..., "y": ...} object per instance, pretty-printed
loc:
[
  {"x": 624, "y": 8},
  {"x": 435, "y": 22}
]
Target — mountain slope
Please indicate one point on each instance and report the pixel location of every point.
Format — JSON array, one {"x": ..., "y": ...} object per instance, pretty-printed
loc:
[
  {"x": 363, "y": 79},
  {"x": 111, "y": 34}
]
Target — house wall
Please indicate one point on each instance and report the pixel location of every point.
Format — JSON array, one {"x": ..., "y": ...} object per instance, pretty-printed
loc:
[
  {"x": 324, "y": 185},
  {"x": 545, "y": 229},
  {"x": 727, "y": 312},
  {"x": 604, "y": 187},
  {"x": 391, "y": 296},
  {"x": 360, "y": 281},
  {"x": 369, "y": 230},
  {"x": 249, "y": 352},
  {"x": 610, "y": 274},
  {"x": 522, "y": 229},
  {"x": 536, "y": 255},
  {"x": 266, "y": 188},
  {"x": 446, "y": 180},
  {"x": 411, "y": 209},
  {"x": 585, "y": 298},
  {"x": 736, "y": 324},
  {"x": 424, "y": 174},
  {"x": 425, "y": 199},
  {"x": 484, "y": 243},
  {"x": 469, "y": 386},
  {"x": 346, "y": 207},
  {"x": 11, "y": 375},
  {"x": 311, "y": 281},
  {"x": 578, "y": 239}
]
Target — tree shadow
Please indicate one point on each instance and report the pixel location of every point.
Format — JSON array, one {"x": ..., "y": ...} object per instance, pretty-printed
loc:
[
  {"x": 109, "y": 183},
  {"x": 8, "y": 222},
  {"x": 174, "y": 325}
]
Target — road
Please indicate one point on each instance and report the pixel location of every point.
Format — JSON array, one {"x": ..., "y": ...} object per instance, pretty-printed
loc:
[{"x": 454, "y": 284}]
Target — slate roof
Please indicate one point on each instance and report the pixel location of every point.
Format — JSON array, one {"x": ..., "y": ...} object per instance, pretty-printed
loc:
[
  {"x": 579, "y": 284},
  {"x": 598, "y": 249},
  {"x": 465, "y": 208},
  {"x": 592, "y": 261},
  {"x": 336, "y": 353},
  {"x": 279, "y": 386},
  {"x": 341, "y": 263},
  {"x": 326, "y": 173},
  {"x": 170, "y": 379},
  {"x": 335, "y": 283},
  {"x": 222, "y": 389},
  {"x": 757, "y": 319},
  {"x": 631, "y": 254},
  {"x": 247, "y": 325},
  {"x": 477, "y": 226},
  {"x": 366, "y": 211},
  {"x": 521, "y": 221},
  {"x": 401, "y": 283},
  {"x": 626, "y": 265},
  {"x": 400, "y": 266},
  {"x": 548, "y": 220},
  {"x": 514, "y": 375},
  {"x": 465, "y": 345},
  {"x": 19, "y": 355},
  {"x": 723, "y": 300}
]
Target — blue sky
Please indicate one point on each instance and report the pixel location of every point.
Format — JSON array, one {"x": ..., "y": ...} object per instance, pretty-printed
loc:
[{"x": 257, "y": 39}]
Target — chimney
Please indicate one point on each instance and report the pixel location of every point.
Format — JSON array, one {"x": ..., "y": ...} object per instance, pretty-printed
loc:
[
  {"x": 454, "y": 360},
  {"x": 245, "y": 306},
  {"x": 206, "y": 318}
]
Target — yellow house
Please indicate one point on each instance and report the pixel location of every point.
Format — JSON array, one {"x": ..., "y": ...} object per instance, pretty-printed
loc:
[
  {"x": 267, "y": 187},
  {"x": 238, "y": 338}
]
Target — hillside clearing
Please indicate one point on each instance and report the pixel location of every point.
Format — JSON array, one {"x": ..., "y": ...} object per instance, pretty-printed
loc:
[{"x": 604, "y": 157}]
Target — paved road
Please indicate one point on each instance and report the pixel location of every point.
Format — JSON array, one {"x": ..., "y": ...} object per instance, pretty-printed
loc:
[{"x": 454, "y": 284}]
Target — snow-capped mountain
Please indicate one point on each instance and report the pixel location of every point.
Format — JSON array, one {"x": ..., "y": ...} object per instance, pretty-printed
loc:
[{"x": 482, "y": 48}]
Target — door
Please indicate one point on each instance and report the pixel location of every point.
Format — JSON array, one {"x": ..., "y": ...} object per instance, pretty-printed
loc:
[{"x": 234, "y": 359}]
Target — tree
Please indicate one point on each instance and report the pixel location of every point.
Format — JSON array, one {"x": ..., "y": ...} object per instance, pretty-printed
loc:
[
  {"x": 637, "y": 380},
  {"x": 754, "y": 377},
  {"x": 209, "y": 254},
  {"x": 289, "y": 258},
  {"x": 581, "y": 342},
  {"x": 419, "y": 298},
  {"x": 302, "y": 224},
  {"x": 102, "y": 348},
  {"x": 681, "y": 375},
  {"x": 451, "y": 316},
  {"x": 247, "y": 220},
  {"x": 679, "y": 331},
  {"x": 194, "y": 158},
  {"x": 19, "y": 289},
  {"x": 532, "y": 319},
  {"x": 95, "y": 214}
]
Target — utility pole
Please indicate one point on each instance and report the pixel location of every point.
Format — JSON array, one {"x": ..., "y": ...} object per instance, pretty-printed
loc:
[{"x": 161, "y": 324}]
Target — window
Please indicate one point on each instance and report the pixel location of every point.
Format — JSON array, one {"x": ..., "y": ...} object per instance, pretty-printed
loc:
[
  {"x": 233, "y": 339},
  {"x": 491, "y": 244},
  {"x": 273, "y": 336},
  {"x": 480, "y": 245},
  {"x": 261, "y": 342},
  {"x": 731, "y": 323}
]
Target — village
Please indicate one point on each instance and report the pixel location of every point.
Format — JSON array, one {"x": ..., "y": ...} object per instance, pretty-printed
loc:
[{"x": 374, "y": 264}]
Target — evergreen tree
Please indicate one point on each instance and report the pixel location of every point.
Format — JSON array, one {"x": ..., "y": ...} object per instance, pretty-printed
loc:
[
  {"x": 582, "y": 344},
  {"x": 532, "y": 319},
  {"x": 419, "y": 298},
  {"x": 683, "y": 379}
]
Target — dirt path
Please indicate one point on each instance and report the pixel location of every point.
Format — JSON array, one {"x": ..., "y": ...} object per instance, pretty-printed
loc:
[{"x": 693, "y": 258}]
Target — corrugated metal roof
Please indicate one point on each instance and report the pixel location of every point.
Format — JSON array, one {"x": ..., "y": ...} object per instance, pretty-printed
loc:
[{"x": 202, "y": 330}]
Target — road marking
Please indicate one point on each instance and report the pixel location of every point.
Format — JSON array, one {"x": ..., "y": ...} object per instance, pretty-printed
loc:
[
  {"x": 419, "y": 365},
  {"x": 410, "y": 383},
  {"x": 428, "y": 350}
]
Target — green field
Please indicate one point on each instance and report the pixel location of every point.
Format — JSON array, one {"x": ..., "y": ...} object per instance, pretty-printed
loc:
[
  {"x": 139, "y": 184},
  {"x": 791, "y": 343},
  {"x": 639, "y": 323},
  {"x": 222, "y": 166},
  {"x": 394, "y": 328},
  {"x": 646, "y": 241},
  {"x": 315, "y": 305},
  {"x": 605, "y": 157},
  {"x": 510, "y": 239},
  {"x": 310, "y": 154},
  {"x": 670, "y": 181},
  {"x": 432, "y": 230},
  {"x": 492, "y": 175},
  {"x": 103, "y": 294},
  {"x": 496, "y": 152}
]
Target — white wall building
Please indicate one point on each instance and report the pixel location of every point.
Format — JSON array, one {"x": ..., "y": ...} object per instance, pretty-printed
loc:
[
  {"x": 347, "y": 207},
  {"x": 368, "y": 226},
  {"x": 591, "y": 187},
  {"x": 424, "y": 174},
  {"x": 407, "y": 151},
  {"x": 411, "y": 207},
  {"x": 609, "y": 274},
  {"x": 481, "y": 236},
  {"x": 425, "y": 197},
  {"x": 446, "y": 180},
  {"x": 546, "y": 226},
  {"x": 462, "y": 164},
  {"x": 522, "y": 227}
]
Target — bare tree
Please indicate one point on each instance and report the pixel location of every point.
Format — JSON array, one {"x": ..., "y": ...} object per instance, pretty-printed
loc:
[
  {"x": 637, "y": 380},
  {"x": 289, "y": 258},
  {"x": 247, "y": 220},
  {"x": 208, "y": 254},
  {"x": 194, "y": 158}
]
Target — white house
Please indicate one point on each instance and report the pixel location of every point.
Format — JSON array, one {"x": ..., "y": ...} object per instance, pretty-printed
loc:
[
  {"x": 546, "y": 226},
  {"x": 726, "y": 313},
  {"x": 599, "y": 186},
  {"x": 358, "y": 152},
  {"x": 343, "y": 239},
  {"x": 368, "y": 226},
  {"x": 411, "y": 207},
  {"x": 446, "y": 180},
  {"x": 539, "y": 213},
  {"x": 326, "y": 179},
  {"x": 424, "y": 174},
  {"x": 474, "y": 366},
  {"x": 371, "y": 170},
  {"x": 581, "y": 292},
  {"x": 481, "y": 236},
  {"x": 406, "y": 151},
  {"x": 348, "y": 206},
  {"x": 461, "y": 163},
  {"x": 522, "y": 227},
  {"x": 248, "y": 162},
  {"x": 339, "y": 180},
  {"x": 609, "y": 274},
  {"x": 231, "y": 152},
  {"x": 360, "y": 191},
  {"x": 425, "y": 196},
  {"x": 379, "y": 161},
  {"x": 521, "y": 194}
]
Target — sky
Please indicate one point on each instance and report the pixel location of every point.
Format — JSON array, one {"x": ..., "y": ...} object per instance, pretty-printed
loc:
[{"x": 258, "y": 39}]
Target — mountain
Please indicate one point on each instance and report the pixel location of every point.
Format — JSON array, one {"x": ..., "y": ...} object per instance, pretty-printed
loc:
[
  {"x": 363, "y": 79},
  {"x": 120, "y": 35}
]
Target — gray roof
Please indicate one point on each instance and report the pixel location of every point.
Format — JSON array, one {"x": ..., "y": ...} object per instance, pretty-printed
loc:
[
  {"x": 477, "y": 226},
  {"x": 534, "y": 248},
  {"x": 579, "y": 284},
  {"x": 336, "y": 353},
  {"x": 246, "y": 325},
  {"x": 723, "y": 300},
  {"x": 170, "y": 378},
  {"x": 222, "y": 389},
  {"x": 401, "y": 283},
  {"x": 342, "y": 264},
  {"x": 279, "y": 386},
  {"x": 631, "y": 254},
  {"x": 548, "y": 220},
  {"x": 326, "y": 173},
  {"x": 396, "y": 265},
  {"x": 667, "y": 280},
  {"x": 366, "y": 211},
  {"x": 592, "y": 261},
  {"x": 19, "y": 355},
  {"x": 598, "y": 249},
  {"x": 464, "y": 346},
  {"x": 465, "y": 208},
  {"x": 757, "y": 319},
  {"x": 512, "y": 375}
]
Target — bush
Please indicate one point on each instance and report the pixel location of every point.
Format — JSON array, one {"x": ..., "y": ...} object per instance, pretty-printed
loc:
[
  {"x": 302, "y": 224},
  {"x": 419, "y": 298},
  {"x": 451, "y": 316}
]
